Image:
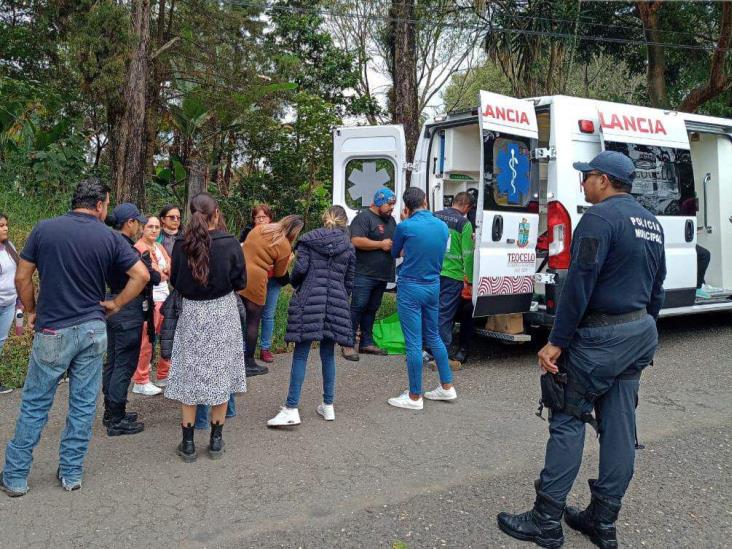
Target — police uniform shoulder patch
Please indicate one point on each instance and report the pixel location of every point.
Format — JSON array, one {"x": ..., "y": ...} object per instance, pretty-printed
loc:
[{"x": 588, "y": 250}]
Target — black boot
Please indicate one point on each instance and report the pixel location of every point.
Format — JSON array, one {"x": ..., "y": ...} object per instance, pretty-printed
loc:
[
  {"x": 107, "y": 417},
  {"x": 254, "y": 369},
  {"x": 216, "y": 444},
  {"x": 119, "y": 422},
  {"x": 597, "y": 521},
  {"x": 542, "y": 524},
  {"x": 187, "y": 448}
]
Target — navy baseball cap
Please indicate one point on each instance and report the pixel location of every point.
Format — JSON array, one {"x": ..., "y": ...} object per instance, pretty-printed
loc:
[
  {"x": 126, "y": 211},
  {"x": 611, "y": 163}
]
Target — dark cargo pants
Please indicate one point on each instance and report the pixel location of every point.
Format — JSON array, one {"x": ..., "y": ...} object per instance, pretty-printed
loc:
[{"x": 609, "y": 361}]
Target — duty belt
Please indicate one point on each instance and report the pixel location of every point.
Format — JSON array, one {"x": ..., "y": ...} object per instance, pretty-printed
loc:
[{"x": 593, "y": 320}]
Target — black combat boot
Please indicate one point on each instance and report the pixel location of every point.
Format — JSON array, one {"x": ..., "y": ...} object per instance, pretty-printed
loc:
[
  {"x": 107, "y": 417},
  {"x": 187, "y": 448},
  {"x": 542, "y": 524},
  {"x": 597, "y": 521},
  {"x": 216, "y": 444},
  {"x": 119, "y": 422},
  {"x": 254, "y": 369}
]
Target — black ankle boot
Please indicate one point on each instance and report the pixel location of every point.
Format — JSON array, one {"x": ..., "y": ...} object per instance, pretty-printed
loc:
[
  {"x": 216, "y": 444},
  {"x": 186, "y": 448},
  {"x": 119, "y": 422},
  {"x": 597, "y": 521},
  {"x": 254, "y": 369},
  {"x": 542, "y": 524}
]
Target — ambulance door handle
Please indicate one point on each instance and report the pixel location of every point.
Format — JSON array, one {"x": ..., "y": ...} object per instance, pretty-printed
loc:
[
  {"x": 689, "y": 230},
  {"x": 707, "y": 180},
  {"x": 497, "y": 230}
]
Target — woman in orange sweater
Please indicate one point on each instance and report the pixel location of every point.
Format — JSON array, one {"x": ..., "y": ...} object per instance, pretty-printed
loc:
[{"x": 267, "y": 248}]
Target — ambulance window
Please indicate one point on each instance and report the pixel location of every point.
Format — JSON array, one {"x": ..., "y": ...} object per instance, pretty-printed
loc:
[
  {"x": 664, "y": 179},
  {"x": 509, "y": 184},
  {"x": 364, "y": 177}
]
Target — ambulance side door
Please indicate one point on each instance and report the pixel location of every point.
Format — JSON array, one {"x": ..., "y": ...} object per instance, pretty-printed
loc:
[
  {"x": 366, "y": 158},
  {"x": 507, "y": 222}
]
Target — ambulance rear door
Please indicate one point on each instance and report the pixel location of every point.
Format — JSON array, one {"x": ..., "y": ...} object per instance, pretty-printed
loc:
[
  {"x": 658, "y": 144},
  {"x": 507, "y": 217},
  {"x": 366, "y": 158}
]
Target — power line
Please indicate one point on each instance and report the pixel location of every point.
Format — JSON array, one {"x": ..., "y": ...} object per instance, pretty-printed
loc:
[{"x": 478, "y": 26}]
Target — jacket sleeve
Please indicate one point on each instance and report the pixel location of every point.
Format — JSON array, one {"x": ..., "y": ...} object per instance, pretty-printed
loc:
[
  {"x": 280, "y": 264},
  {"x": 238, "y": 272},
  {"x": 350, "y": 271},
  {"x": 468, "y": 249},
  {"x": 658, "y": 294},
  {"x": 590, "y": 244},
  {"x": 302, "y": 264}
]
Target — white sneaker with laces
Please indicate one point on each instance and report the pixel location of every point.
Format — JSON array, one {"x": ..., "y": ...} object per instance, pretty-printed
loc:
[
  {"x": 404, "y": 401},
  {"x": 441, "y": 394},
  {"x": 285, "y": 417},
  {"x": 147, "y": 389},
  {"x": 327, "y": 411},
  {"x": 161, "y": 382}
]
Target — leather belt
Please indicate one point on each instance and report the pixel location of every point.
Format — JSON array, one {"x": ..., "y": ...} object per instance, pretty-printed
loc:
[{"x": 593, "y": 320}]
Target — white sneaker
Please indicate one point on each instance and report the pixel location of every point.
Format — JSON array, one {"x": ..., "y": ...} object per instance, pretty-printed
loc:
[
  {"x": 161, "y": 382},
  {"x": 286, "y": 416},
  {"x": 441, "y": 394},
  {"x": 327, "y": 411},
  {"x": 404, "y": 401},
  {"x": 148, "y": 389}
]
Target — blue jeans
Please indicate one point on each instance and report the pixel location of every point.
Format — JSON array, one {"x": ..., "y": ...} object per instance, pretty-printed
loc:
[
  {"x": 365, "y": 302},
  {"x": 450, "y": 300},
  {"x": 78, "y": 349},
  {"x": 418, "y": 307},
  {"x": 202, "y": 411},
  {"x": 268, "y": 315},
  {"x": 297, "y": 374},
  {"x": 7, "y": 314}
]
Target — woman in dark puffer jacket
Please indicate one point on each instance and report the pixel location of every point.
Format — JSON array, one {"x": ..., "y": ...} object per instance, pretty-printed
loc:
[{"x": 319, "y": 309}]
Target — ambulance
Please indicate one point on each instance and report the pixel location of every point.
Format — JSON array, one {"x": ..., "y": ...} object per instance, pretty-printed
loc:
[{"x": 515, "y": 156}]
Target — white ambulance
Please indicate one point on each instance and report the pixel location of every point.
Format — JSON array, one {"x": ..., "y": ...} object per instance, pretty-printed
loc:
[{"x": 516, "y": 155}]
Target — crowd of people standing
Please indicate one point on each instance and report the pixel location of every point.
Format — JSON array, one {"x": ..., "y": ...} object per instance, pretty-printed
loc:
[{"x": 202, "y": 295}]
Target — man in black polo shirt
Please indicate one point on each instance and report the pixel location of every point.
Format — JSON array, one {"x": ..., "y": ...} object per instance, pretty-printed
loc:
[
  {"x": 124, "y": 330},
  {"x": 371, "y": 233},
  {"x": 73, "y": 254}
]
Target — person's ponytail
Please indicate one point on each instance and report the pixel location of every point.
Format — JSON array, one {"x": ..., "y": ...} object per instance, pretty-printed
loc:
[
  {"x": 197, "y": 240},
  {"x": 335, "y": 218}
]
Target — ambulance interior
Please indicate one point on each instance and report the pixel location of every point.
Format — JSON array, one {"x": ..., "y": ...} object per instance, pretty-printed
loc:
[{"x": 710, "y": 154}]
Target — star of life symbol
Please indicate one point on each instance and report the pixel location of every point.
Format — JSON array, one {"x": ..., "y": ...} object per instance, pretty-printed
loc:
[{"x": 366, "y": 182}]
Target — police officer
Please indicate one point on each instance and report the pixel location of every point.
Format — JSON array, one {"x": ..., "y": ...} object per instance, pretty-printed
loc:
[
  {"x": 604, "y": 335},
  {"x": 124, "y": 330}
]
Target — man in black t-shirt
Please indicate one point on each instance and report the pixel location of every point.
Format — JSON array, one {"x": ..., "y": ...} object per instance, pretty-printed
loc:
[{"x": 371, "y": 233}]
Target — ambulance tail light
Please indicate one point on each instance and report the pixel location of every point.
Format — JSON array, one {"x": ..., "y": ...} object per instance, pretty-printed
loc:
[{"x": 560, "y": 235}]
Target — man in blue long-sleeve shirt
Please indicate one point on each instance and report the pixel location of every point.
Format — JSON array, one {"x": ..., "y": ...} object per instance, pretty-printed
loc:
[
  {"x": 605, "y": 334},
  {"x": 422, "y": 240}
]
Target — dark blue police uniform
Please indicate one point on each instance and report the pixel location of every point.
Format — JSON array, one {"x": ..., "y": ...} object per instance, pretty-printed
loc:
[{"x": 606, "y": 328}]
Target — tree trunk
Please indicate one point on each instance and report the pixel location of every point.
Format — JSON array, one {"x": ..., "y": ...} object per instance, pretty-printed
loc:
[
  {"x": 656, "y": 71},
  {"x": 152, "y": 95},
  {"x": 197, "y": 178},
  {"x": 719, "y": 80},
  {"x": 405, "y": 108},
  {"x": 129, "y": 167}
]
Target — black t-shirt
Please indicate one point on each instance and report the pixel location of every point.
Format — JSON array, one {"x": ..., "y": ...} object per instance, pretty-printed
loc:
[
  {"x": 226, "y": 269},
  {"x": 74, "y": 254},
  {"x": 377, "y": 264}
]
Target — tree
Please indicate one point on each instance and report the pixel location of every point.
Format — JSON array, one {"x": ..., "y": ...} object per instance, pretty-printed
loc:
[
  {"x": 129, "y": 156},
  {"x": 403, "y": 62}
]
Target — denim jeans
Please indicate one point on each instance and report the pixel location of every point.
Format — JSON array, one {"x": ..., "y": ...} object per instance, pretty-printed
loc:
[
  {"x": 418, "y": 307},
  {"x": 297, "y": 373},
  {"x": 202, "y": 411},
  {"x": 78, "y": 349},
  {"x": 365, "y": 302},
  {"x": 268, "y": 316},
  {"x": 7, "y": 314},
  {"x": 450, "y": 300}
]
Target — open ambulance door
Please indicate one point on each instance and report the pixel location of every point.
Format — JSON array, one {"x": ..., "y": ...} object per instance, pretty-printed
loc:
[
  {"x": 658, "y": 144},
  {"x": 365, "y": 159},
  {"x": 507, "y": 216}
]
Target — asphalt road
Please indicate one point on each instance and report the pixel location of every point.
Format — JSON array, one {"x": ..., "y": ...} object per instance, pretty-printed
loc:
[{"x": 383, "y": 477}]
